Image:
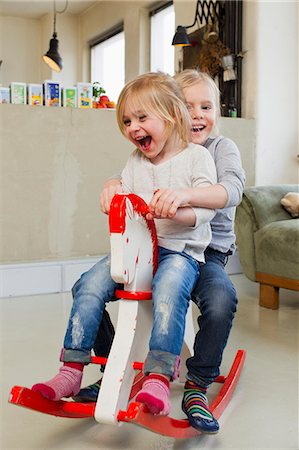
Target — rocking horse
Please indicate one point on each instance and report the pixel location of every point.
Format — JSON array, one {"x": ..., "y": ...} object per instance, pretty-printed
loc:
[{"x": 134, "y": 260}]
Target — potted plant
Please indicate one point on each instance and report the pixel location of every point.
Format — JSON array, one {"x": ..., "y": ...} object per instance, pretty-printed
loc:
[{"x": 99, "y": 100}]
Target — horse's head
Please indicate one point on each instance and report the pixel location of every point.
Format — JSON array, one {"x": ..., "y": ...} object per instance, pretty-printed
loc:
[{"x": 134, "y": 254}]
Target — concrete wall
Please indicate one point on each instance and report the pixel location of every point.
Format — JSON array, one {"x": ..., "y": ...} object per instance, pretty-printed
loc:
[{"x": 53, "y": 165}]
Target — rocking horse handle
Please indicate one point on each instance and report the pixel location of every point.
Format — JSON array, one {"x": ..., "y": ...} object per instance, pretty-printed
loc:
[
  {"x": 129, "y": 226},
  {"x": 117, "y": 211}
]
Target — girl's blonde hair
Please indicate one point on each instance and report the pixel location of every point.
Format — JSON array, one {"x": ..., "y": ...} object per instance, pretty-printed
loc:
[
  {"x": 157, "y": 94},
  {"x": 189, "y": 77}
]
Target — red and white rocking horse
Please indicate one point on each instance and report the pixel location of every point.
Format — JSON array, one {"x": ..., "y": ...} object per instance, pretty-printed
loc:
[{"x": 134, "y": 260}]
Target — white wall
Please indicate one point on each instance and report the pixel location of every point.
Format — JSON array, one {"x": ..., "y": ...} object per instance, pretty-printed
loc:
[
  {"x": 20, "y": 50},
  {"x": 277, "y": 92},
  {"x": 105, "y": 16}
]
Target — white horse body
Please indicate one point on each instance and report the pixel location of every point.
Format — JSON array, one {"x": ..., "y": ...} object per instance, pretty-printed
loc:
[
  {"x": 131, "y": 264},
  {"x": 132, "y": 252}
]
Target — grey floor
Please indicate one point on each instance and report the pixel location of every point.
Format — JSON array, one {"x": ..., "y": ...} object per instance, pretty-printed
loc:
[{"x": 263, "y": 413}]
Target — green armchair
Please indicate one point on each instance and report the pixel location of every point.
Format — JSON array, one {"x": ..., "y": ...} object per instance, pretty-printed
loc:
[{"x": 268, "y": 241}]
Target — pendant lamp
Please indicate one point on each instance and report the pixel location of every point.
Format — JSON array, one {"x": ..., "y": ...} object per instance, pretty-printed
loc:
[
  {"x": 205, "y": 9},
  {"x": 52, "y": 58}
]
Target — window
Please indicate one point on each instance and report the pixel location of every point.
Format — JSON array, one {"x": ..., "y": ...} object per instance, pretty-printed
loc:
[
  {"x": 162, "y": 31},
  {"x": 108, "y": 63}
]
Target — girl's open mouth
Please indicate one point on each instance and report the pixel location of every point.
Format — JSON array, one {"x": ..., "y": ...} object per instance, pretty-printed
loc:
[
  {"x": 197, "y": 129},
  {"x": 145, "y": 142}
]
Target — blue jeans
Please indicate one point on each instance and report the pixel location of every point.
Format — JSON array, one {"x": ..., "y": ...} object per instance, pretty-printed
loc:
[
  {"x": 216, "y": 298},
  {"x": 90, "y": 293},
  {"x": 173, "y": 283}
]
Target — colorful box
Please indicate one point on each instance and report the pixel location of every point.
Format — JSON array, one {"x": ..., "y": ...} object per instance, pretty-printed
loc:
[
  {"x": 52, "y": 93},
  {"x": 4, "y": 95},
  {"x": 35, "y": 94},
  {"x": 84, "y": 94},
  {"x": 69, "y": 97},
  {"x": 18, "y": 93}
]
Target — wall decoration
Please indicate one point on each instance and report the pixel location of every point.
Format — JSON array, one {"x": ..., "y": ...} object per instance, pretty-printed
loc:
[{"x": 216, "y": 48}]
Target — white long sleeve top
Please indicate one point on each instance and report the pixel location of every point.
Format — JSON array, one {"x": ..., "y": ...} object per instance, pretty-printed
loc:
[{"x": 192, "y": 167}]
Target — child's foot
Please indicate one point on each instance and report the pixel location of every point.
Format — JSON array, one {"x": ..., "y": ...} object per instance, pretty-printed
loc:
[
  {"x": 65, "y": 384},
  {"x": 196, "y": 407},
  {"x": 155, "y": 395},
  {"x": 89, "y": 393}
]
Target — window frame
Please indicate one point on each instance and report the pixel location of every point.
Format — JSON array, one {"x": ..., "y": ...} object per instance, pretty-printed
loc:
[
  {"x": 155, "y": 10},
  {"x": 108, "y": 34}
]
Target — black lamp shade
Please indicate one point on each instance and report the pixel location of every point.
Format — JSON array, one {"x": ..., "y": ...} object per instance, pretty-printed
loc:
[
  {"x": 52, "y": 57},
  {"x": 180, "y": 38}
]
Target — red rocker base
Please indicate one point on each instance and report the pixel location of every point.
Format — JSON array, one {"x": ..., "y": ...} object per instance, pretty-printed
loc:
[{"x": 136, "y": 413}]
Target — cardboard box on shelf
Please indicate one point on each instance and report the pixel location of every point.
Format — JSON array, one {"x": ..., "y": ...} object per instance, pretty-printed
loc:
[
  {"x": 52, "y": 93},
  {"x": 69, "y": 96},
  {"x": 35, "y": 94},
  {"x": 85, "y": 96},
  {"x": 4, "y": 95},
  {"x": 18, "y": 93}
]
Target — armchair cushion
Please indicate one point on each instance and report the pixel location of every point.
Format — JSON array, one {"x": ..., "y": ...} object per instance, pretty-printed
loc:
[
  {"x": 277, "y": 249},
  {"x": 265, "y": 203}
]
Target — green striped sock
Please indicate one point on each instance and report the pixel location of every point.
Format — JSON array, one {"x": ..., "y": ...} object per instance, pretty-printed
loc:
[{"x": 195, "y": 401}]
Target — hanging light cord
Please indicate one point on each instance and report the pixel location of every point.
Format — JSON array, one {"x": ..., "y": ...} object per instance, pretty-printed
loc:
[{"x": 58, "y": 12}]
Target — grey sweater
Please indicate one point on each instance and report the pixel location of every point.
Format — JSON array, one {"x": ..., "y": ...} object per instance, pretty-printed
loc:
[{"x": 231, "y": 176}]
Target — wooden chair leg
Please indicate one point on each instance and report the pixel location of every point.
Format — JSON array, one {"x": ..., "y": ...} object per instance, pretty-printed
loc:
[{"x": 269, "y": 296}]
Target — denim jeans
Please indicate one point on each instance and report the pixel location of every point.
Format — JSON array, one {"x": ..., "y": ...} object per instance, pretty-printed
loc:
[
  {"x": 173, "y": 283},
  {"x": 90, "y": 293},
  {"x": 216, "y": 298}
]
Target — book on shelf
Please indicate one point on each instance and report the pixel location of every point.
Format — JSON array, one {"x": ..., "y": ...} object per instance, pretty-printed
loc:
[
  {"x": 52, "y": 93},
  {"x": 4, "y": 95},
  {"x": 69, "y": 97},
  {"x": 18, "y": 93},
  {"x": 35, "y": 94},
  {"x": 85, "y": 97}
]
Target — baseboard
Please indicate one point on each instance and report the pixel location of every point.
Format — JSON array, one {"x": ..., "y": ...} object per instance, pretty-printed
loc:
[
  {"x": 58, "y": 276},
  {"x": 42, "y": 277}
]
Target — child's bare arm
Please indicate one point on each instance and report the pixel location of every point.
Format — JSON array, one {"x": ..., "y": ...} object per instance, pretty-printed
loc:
[
  {"x": 185, "y": 216},
  {"x": 214, "y": 197},
  {"x": 165, "y": 202}
]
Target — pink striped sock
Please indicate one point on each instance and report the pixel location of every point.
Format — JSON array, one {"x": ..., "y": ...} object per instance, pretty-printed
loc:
[
  {"x": 155, "y": 395},
  {"x": 65, "y": 384}
]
